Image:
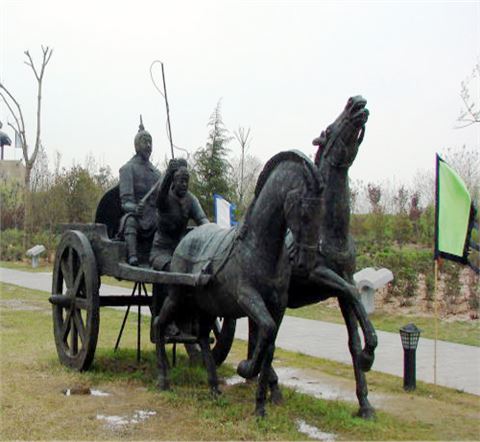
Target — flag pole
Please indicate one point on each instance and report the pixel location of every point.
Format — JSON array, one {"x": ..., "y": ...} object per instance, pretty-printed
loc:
[{"x": 435, "y": 306}]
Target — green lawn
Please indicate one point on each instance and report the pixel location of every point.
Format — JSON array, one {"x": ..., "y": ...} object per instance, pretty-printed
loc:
[{"x": 33, "y": 406}]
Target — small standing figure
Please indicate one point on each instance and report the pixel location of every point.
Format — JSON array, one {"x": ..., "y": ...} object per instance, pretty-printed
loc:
[
  {"x": 176, "y": 206},
  {"x": 138, "y": 180}
]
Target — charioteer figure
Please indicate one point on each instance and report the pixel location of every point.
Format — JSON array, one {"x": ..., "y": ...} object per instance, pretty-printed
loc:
[
  {"x": 176, "y": 207},
  {"x": 138, "y": 194}
]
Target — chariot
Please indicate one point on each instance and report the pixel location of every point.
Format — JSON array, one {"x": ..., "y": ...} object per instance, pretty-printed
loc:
[{"x": 87, "y": 252}]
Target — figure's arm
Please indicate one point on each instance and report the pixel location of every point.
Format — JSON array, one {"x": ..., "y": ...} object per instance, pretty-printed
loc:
[
  {"x": 162, "y": 196},
  {"x": 127, "y": 194},
  {"x": 197, "y": 213}
]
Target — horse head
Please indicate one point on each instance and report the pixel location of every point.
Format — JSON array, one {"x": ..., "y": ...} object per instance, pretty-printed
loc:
[
  {"x": 339, "y": 143},
  {"x": 302, "y": 210}
]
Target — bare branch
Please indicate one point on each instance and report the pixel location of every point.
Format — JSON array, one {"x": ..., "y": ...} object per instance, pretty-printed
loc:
[
  {"x": 12, "y": 112},
  {"x": 18, "y": 115},
  {"x": 18, "y": 119},
  {"x": 30, "y": 63},
  {"x": 47, "y": 53},
  {"x": 469, "y": 114},
  {"x": 2, "y": 86}
]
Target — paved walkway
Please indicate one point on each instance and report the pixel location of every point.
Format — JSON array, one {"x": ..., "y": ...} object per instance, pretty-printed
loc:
[{"x": 458, "y": 366}]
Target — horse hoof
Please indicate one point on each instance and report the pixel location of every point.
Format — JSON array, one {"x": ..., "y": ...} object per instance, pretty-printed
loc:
[
  {"x": 244, "y": 369},
  {"x": 366, "y": 413},
  {"x": 260, "y": 412},
  {"x": 365, "y": 360},
  {"x": 163, "y": 384},
  {"x": 215, "y": 392},
  {"x": 276, "y": 396}
]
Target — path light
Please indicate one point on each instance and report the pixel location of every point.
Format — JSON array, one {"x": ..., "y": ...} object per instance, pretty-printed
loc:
[{"x": 410, "y": 335}]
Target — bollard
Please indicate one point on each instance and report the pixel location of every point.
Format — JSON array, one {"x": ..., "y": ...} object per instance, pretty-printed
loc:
[{"x": 410, "y": 335}]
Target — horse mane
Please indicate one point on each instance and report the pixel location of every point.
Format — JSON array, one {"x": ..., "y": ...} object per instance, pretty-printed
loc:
[{"x": 288, "y": 155}]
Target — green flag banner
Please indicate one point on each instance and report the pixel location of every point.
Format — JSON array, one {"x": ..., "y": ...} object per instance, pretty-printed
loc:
[{"x": 453, "y": 215}]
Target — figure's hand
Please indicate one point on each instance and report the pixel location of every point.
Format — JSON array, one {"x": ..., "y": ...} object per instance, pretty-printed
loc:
[
  {"x": 140, "y": 208},
  {"x": 172, "y": 167},
  {"x": 174, "y": 163},
  {"x": 129, "y": 207}
]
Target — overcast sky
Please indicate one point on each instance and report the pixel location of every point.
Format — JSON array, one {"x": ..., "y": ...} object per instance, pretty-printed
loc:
[{"x": 283, "y": 68}]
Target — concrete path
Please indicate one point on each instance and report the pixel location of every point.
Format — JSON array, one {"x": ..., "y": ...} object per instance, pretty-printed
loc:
[{"x": 458, "y": 366}]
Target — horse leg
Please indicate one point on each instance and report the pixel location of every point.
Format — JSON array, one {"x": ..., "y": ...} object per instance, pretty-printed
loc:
[
  {"x": 164, "y": 317},
  {"x": 167, "y": 311},
  {"x": 275, "y": 393},
  {"x": 366, "y": 410},
  {"x": 276, "y": 396},
  {"x": 343, "y": 290},
  {"x": 162, "y": 364},
  {"x": 367, "y": 355},
  {"x": 263, "y": 381},
  {"x": 254, "y": 307},
  {"x": 204, "y": 332}
]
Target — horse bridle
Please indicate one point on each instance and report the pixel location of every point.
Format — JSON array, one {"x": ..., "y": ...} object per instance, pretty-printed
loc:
[{"x": 334, "y": 138}]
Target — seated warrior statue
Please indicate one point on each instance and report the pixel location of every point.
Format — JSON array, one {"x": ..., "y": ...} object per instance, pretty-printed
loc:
[
  {"x": 138, "y": 191},
  {"x": 176, "y": 206}
]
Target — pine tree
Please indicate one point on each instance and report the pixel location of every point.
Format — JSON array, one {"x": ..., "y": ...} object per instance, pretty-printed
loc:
[{"x": 212, "y": 170}]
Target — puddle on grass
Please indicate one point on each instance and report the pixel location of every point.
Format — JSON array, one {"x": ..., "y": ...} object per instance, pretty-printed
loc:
[
  {"x": 291, "y": 377},
  {"x": 114, "y": 422},
  {"x": 320, "y": 387},
  {"x": 314, "y": 432}
]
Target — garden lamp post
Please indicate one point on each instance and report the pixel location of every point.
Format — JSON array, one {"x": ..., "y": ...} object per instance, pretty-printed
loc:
[{"x": 410, "y": 335}]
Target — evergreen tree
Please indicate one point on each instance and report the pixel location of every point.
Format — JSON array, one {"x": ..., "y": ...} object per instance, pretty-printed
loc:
[{"x": 212, "y": 171}]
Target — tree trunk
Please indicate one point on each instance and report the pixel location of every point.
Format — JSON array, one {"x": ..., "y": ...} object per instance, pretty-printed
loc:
[{"x": 27, "y": 218}]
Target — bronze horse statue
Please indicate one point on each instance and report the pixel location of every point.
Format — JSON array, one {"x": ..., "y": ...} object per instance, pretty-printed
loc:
[
  {"x": 332, "y": 273},
  {"x": 250, "y": 266}
]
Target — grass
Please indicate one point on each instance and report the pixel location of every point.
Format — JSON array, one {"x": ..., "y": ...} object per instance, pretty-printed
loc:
[
  {"x": 27, "y": 266},
  {"x": 33, "y": 406},
  {"x": 460, "y": 332},
  {"x": 457, "y": 331}
]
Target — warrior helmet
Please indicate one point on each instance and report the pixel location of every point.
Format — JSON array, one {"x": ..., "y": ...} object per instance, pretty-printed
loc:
[{"x": 141, "y": 134}]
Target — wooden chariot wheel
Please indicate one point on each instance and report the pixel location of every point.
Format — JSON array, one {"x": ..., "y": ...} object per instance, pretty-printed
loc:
[{"x": 75, "y": 301}]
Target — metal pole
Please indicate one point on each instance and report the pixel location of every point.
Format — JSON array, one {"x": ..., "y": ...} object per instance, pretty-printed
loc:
[
  {"x": 168, "y": 111},
  {"x": 139, "y": 320},
  {"x": 409, "y": 378},
  {"x": 435, "y": 305}
]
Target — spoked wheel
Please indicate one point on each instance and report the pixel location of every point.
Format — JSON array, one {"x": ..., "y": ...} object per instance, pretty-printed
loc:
[{"x": 75, "y": 301}]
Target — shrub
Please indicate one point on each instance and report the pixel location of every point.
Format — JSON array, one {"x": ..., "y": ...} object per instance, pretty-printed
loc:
[
  {"x": 13, "y": 249},
  {"x": 11, "y": 245},
  {"x": 405, "y": 264}
]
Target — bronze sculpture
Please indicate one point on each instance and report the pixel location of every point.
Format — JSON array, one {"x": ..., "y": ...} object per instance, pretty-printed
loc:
[
  {"x": 137, "y": 178},
  {"x": 249, "y": 266},
  {"x": 176, "y": 206},
  {"x": 332, "y": 275}
]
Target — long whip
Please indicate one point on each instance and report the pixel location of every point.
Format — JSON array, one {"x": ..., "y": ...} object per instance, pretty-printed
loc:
[{"x": 164, "y": 95}]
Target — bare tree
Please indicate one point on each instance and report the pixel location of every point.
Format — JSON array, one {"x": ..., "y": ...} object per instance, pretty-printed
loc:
[
  {"x": 466, "y": 162},
  {"x": 20, "y": 130},
  {"x": 252, "y": 167},
  {"x": 17, "y": 114},
  {"x": 470, "y": 114},
  {"x": 242, "y": 137}
]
